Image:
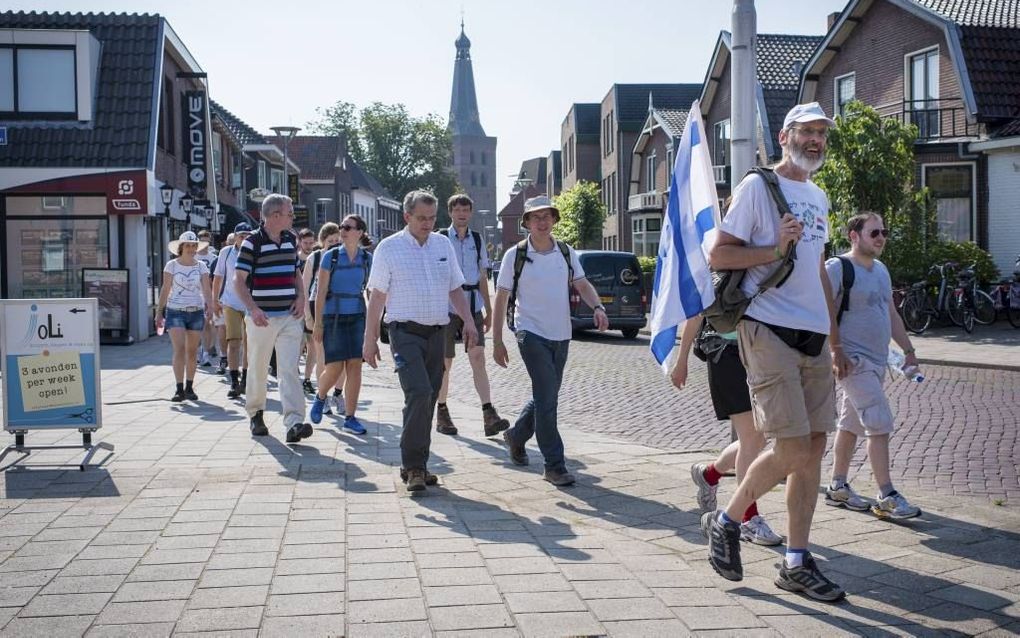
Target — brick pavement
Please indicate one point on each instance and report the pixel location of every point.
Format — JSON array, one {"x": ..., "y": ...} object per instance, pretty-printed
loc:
[
  {"x": 958, "y": 431},
  {"x": 193, "y": 528}
]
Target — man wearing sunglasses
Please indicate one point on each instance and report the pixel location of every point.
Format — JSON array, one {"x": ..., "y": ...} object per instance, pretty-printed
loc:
[
  {"x": 868, "y": 322},
  {"x": 783, "y": 340}
]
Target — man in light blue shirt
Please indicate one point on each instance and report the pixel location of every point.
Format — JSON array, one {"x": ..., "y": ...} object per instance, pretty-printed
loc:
[{"x": 474, "y": 263}]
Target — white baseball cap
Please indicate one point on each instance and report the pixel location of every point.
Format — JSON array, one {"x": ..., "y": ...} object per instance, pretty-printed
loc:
[{"x": 810, "y": 112}]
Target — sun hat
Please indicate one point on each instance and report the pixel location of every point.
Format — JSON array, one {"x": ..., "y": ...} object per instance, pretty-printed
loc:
[
  {"x": 810, "y": 112},
  {"x": 187, "y": 237},
  {"x": 541, "y": 202}
]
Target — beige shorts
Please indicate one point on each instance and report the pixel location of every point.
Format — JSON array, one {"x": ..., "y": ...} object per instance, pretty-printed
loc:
[
  {"x": 454, "y": 327},
  {"x": 864, "y": 409},
  {"x": 235, "y": 323},
  {"x": 792, "y": 394}
]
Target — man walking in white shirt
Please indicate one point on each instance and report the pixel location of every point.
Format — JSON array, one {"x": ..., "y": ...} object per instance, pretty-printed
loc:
[{"x": 416, "y": 277}]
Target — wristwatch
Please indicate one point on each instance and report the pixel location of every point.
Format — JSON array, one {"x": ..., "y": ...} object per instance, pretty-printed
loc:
[{"x": 599, "y": 307}]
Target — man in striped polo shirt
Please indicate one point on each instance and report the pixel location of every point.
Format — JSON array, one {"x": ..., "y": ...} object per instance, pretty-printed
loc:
[{"x": 269, "y": 284}]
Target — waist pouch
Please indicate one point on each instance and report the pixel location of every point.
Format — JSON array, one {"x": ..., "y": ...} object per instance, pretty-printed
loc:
[
  {"x": 416, "y": 329},
  {"x": 803, "y": 341}
]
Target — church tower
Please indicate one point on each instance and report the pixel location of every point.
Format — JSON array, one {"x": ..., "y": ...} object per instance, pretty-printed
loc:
[{"x": 474, "y": 153}]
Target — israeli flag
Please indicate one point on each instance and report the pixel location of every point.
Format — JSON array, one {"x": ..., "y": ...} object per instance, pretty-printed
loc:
[{"x": 683, "y": 281}]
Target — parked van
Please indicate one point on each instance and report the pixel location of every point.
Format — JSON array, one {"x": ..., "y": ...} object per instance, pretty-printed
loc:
[{"x": 616, "y": 277}]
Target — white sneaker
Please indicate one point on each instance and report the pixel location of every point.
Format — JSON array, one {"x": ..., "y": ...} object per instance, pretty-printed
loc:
[
  {"x": 706, "y": 492},
  {"x": 846, "y": 497},
  {"x": 894, "y": 506},
  {"x": 757, "y": 531},
  {"x": 337, "y": 403}
]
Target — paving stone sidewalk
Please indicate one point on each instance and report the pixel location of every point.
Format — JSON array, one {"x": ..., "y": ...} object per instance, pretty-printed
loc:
[{"x": 192, "y": 527}]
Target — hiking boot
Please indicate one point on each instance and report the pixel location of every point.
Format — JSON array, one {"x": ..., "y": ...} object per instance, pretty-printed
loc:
[
  {"x": 258, "y": 426},
  {"x": 244, "y": 380},
  {"x": 299, "y": 431},
  {"x": 493, "y": 424},
  {"x": 178, "y": 396},
  {"x": 706, "y": 492},
  {"x": 723, "y": 546},
  {"x": 430, "y": 478},
  {"x": 306, "y": 385},
  {"x": 809, "y": 580},
  {"x": 315, "y": 413},
  {"x": 894, "y": 506},
  {"x": 518, "y": 455},
  {"x": 444, "y": 424},
  {"x": 353, "y": 425},
  {"x": 189, "y": 394},
  {"x": 235, "y": 390},
  {"x": 559, "y": 478},
  {"x": 416, "y": 480},
  {"x": 846, "y": 497},
  {"x": 757, "y": 531}
]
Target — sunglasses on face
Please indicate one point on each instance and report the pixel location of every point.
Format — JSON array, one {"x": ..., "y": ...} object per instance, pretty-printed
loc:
[
  {"x": 348, "y": 227},
  {"x": 884, "y": 232}
]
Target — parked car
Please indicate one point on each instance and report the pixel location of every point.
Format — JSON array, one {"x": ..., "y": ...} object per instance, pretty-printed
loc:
[{"x": 616, "y": 276}]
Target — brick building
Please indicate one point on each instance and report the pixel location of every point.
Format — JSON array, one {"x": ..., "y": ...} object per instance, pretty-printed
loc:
[{"x": 580, "y": 143}]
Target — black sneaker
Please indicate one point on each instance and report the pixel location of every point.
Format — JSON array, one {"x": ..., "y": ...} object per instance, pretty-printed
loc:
[
  {"x": 809, "y": 580},
  {"x": 258, "y": 426},
  {"x": 235, "y": 391},
  {"x": 299, "y": 431},
  {"x": 178, "y": 396},
  {"x": 307, "y": 386},
  {"x": 518, "y": 455},
  {"x": 190, "y": 395},
  {"x": 723, "y": 546},
  {"x": 430, "y": 478}
]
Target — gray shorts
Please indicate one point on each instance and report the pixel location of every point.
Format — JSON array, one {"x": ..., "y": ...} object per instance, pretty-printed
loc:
[
  {"x": 864, "y": 409},
  {"x": 453, "y": 332}
]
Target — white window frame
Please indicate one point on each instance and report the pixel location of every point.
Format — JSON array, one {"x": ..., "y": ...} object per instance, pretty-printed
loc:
[
  {"x": 86, "y": 65},
  {"x": 908, "y": 96},
  {"x": 973, "y": 190},
  {"x": 262, "y": 178},
  {"x": 650, "y": 172},
  {"x": 836, "y": 106},
  {"x": 729, "y": 141},
  {"x": 273, "y": 172}
]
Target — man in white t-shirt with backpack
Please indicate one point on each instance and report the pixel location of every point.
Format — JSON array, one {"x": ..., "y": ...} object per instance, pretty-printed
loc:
[
  {"x": 535, "y": 279},
  {"x": 227, "y": 304},
  {"x": 784, "y": 338}
]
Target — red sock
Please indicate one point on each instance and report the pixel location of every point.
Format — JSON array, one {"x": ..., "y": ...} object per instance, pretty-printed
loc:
[
  {"x": 712, "y": 475},
  {"x": 751, "y": 512}
]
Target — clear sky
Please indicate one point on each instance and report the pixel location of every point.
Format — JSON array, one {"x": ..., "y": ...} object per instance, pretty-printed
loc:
[{"x": 274, "y": 62}]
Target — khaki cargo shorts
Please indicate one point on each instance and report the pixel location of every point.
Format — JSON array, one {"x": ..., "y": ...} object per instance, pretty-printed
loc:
[
  {"x": 864, "y": 409},
  {"x": 235, "y": 323},
  {"x": 792, "y": 394}
]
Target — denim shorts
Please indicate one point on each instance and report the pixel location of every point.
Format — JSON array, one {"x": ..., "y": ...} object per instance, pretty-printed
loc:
[
  {"x": 193, "y": 320},
  {"x": 343, "y": 337}
]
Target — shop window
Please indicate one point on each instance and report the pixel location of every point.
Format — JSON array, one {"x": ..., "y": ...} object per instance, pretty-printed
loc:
[{"x": 54, "y": 244}]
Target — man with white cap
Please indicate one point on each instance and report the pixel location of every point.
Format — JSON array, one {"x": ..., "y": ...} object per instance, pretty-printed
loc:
[
  {"x": 535, "y": 280},
  {"x": 789, "y": 341}
]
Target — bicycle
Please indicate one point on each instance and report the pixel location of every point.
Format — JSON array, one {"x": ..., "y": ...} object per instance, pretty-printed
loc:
[
  {"x": 923, "y": 303},
  {"x": 1006, "y": 297}
]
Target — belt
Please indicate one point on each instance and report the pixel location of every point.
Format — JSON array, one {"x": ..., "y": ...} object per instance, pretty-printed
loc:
[
  {"x": 187, "y": 308},
  {"x": 415, "y": 328}
]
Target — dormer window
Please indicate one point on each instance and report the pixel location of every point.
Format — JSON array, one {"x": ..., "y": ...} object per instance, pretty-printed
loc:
[{"x": 47, "y": 75}]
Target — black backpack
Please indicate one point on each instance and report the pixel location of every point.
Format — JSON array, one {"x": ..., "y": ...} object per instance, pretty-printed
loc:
[
  {"x": 519, "y": 260},
  {"x": 848, "y": 282}
]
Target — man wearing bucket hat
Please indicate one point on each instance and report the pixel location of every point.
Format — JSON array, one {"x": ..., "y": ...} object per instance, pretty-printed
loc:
[
  {"x": 269, "y": 283},
  {"x": 790, "y": 343},
  {"x": 229, "y": 305},
  {"x": 535, "y": 280},
  {"x": 185, "y": 295}
]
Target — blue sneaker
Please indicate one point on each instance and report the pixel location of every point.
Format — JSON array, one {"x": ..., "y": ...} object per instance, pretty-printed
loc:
[
  {"x": 316, "y": 412},
  {"x": 353, "y": 425}
]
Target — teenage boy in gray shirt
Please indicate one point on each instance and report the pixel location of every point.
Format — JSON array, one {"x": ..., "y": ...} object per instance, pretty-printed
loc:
[{"x": 866, "y": 326}]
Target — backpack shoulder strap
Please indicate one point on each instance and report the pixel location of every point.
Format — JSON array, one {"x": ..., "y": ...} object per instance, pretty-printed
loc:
[
  {"x": 366, "y": 266},
  {"x": 772, "y": 183},
  {"x": 478, "y": 250},
  {"x": 565, "y": 250},
  {"x": 520, "y": 256},
  {"x": 849, "y": 275},
  {"x": 445, "y": 232}
]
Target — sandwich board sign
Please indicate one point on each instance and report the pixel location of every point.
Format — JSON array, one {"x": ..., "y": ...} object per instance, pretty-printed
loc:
[{"x": 51, "y": 369}]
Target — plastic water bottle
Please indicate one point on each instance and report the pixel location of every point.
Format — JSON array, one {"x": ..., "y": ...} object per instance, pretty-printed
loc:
[{"x": 897, "y": 361}]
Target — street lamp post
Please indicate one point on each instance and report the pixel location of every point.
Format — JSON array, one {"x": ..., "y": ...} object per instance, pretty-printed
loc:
[
  {"x": 186, "y": 202},
  {"x": 166, "y": 193},
  {"x": 287, "y": 133}
]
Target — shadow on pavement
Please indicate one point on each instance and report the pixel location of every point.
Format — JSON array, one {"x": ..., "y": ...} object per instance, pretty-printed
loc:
[{"x": 23, "y": 482}]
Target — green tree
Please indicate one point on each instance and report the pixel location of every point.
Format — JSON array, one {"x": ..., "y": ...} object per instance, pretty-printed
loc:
[
  {"x": 581, "y": 215},
  {"x": 403, "y": 152}
]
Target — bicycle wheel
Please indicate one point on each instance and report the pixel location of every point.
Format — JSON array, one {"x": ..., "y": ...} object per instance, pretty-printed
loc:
[
  {"x": 984, "y": 308},
  {"x": 968, "y": 320},
  {"x": 954, "y": 307},
  {"x": 915, "y": 317},
  {"x": 1013, "y": 315}
]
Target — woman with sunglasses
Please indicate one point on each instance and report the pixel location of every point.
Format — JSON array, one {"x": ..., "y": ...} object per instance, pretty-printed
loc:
[
  {"x": 340, "y": 318},
  {"x": 186, "y": 296}
]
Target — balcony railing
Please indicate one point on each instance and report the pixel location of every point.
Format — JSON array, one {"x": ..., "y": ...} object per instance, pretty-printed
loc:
[
  {"x": 934, "y": 119},
  {"x": 645, "y": 201},
  {"x": 721, "y": 174}
]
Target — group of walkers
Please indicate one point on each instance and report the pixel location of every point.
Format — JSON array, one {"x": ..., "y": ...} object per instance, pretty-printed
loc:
[{"x": 425, "y": 292}]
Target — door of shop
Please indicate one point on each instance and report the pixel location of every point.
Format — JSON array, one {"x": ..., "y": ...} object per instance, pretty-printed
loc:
[{"x": 155, "y": 241}]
